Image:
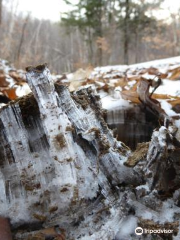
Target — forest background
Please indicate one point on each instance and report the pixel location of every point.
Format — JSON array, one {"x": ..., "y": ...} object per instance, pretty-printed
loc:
[{"x": 92, "y": 33}]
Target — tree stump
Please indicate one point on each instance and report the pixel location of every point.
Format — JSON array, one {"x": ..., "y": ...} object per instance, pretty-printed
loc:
[{"x": 64, "y": 176}]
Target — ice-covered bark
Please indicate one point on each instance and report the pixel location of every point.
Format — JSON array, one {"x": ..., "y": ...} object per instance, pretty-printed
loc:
[
  {"x": 62, "y": 171},
  {"x": 60, "y": 164},
  {"x": 156, "y": 202},
  {"x": 162, "y": 169}
]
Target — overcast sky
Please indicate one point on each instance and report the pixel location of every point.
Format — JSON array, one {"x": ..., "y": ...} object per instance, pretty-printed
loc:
[
  {"x": 50, "y": 9},
  {"x": 46, "y": 9}
]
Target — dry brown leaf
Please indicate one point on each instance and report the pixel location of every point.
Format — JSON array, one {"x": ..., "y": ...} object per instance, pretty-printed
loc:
[
  {"x": 3, "y": 82},
  {"x": 134, "y": 87},
  {"x": 162, "y": 96},
  {"x": 120, "y": 83},
  {"x": 163, "y": 75},
  {"x": 10, "y": 93},
  {"x": 16, "y": 76},
  {"x": 130, "y": 95},
  {"x": 153, "y": 71},
  {"x": 133, "y": 97},
  {"x": 174, "y": 102},
  {"x": 136, "y": 77},
  {"x": 175, "y": 74}
]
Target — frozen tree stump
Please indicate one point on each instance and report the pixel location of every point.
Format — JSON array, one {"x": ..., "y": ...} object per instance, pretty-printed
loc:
[
  {"x": 64, "y": 176},
  {"x": 61, "y": 167}
]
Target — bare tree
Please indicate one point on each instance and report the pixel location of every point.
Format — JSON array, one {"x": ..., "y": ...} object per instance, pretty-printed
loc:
[
  {"x": 126, "y": 33},
  {"x": 22, "y": 37},
  {"x": 1, "y": 11}
]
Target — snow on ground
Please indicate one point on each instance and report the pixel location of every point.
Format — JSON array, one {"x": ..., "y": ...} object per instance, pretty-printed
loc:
[
  {"x": 169, "y": 87},
  {"x": 147, "y": 70},
  {"x": 158, "y": 63},
  {"x": 110, "y": 81},
  {"x": 161, "y": 63},
  {"x": 109, "y": 102}
]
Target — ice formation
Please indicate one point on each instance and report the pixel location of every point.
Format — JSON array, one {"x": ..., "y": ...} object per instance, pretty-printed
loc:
[
  {"x": 58, "y": 158},
  {"x": 61, "y": 166}
]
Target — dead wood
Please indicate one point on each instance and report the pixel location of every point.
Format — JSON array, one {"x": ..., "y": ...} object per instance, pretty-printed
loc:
[
  {"x": 62, "y": 169},
  {"x": 145, "y": 97},
  {"x": 59, "y": 154}
]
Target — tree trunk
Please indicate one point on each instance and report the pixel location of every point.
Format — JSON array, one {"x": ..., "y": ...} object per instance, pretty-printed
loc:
[
  {"x": 1, "y": 12},
  {"x": 90, "y": 47},
  {"x": 22, "y": 38},
  {"x": 136, "y": 47},
  {"x": 99, "y": 56},
  {"x": 126, "y": 33},
  {"x": 99, "y": 34}
]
